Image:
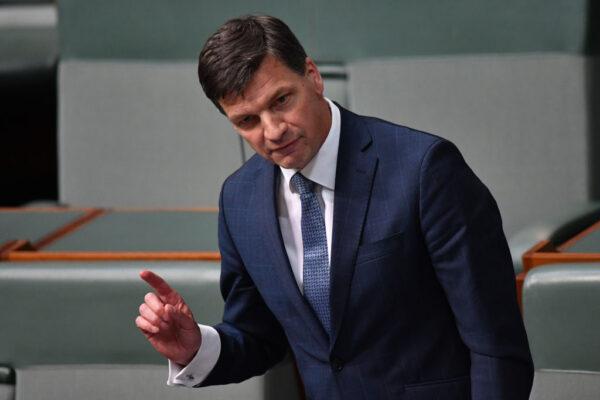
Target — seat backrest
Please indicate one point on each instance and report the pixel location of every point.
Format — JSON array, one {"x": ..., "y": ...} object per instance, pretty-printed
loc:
[
  {"x": 561, "y": 304},
  {"x": 68, "y": 331},
  {"x": 520, "y": 120},
  {"x": 87, "y": 309},
  {"x": 143, "y": 382},
  {"x": 560, "y": 385},
  {"x": 140, "y": 133}
]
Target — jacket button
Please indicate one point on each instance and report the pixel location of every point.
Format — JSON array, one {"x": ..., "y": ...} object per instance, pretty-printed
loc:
[{"x": 336, "y": 364}]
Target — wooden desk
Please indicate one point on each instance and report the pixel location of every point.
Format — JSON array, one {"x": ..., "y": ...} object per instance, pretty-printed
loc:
[{"x": 119, "y": 234}]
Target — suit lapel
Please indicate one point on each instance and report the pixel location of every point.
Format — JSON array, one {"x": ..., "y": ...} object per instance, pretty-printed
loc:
[
  {"x": 269, "y": 225},
  {"x": 356, "y": 166}
]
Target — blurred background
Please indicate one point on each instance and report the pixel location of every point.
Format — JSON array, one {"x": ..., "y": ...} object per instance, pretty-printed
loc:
[
  {"x": 101, "y": 106},
  {"x": 101, "y": 111}
]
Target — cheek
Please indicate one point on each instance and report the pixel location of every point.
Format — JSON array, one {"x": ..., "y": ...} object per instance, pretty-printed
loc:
[{"x": 254, "y": 139}]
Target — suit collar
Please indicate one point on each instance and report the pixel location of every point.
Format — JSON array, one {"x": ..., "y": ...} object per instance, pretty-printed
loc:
[
  {"x": 267, "y": 189},
  {"x": 356, "y": 167}
]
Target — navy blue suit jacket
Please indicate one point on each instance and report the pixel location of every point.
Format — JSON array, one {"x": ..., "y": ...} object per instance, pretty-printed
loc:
[{"x": 423, "y": 302}]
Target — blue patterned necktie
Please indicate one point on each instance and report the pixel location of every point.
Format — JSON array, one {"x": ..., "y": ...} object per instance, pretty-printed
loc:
[{"x": 314, "y": 240}]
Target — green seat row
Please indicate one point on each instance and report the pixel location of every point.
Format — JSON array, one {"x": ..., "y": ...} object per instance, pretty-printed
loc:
[
  {"x": 68, "y": 328},
  {"x": 561, "y": 304}
]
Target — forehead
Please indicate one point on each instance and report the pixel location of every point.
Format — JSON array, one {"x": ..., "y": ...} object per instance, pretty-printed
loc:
[{"x": 270, "y": 78}]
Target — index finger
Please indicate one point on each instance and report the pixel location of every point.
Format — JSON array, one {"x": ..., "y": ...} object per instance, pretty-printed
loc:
[{"x": 158, "y": 283}]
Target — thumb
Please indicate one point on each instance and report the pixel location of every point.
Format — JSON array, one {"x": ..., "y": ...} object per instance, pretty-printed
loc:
[{"x": 183, "y": 320}]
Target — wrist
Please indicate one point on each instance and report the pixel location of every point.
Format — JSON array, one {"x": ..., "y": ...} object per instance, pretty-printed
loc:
[{"x": 185, "y": 361}]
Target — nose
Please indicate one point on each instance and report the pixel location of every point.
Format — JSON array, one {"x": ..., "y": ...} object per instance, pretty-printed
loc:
[{"x": 274, "y": 127}]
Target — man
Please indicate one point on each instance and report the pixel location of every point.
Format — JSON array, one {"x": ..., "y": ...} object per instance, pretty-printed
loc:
[{"x": 369, "y": 249}]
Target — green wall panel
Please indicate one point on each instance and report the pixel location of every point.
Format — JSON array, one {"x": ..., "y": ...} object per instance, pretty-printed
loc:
[{"x": 339, "y": 30}]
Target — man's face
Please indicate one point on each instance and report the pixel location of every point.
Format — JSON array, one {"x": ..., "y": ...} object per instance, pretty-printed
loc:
[{"x": 281, "y": 114}]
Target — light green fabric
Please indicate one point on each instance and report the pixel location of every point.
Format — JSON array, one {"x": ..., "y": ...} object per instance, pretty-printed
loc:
[
  {"x": 561, "y": 304},
  {"x": 7, "y": 392},
  {"x": 143, "y": 382},
  {"x": 151, "y": 231},
  {"x": 561, "y": 385},
  {"x": 84, "y": 312},
  {"x": 338, "y": 30},
  {"x": 507, "y": 114},
  {"x": 68, "y": 330},
  {"x": 140, "y": 134}
]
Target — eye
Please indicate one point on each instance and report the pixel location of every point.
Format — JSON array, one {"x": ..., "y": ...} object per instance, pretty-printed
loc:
[
  {"x": 245, "y": 122},
  {"x": 281, "y": 100}
]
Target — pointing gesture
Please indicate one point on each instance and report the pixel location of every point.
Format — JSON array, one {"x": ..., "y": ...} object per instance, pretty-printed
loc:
[{"x": 167, "y": 322}]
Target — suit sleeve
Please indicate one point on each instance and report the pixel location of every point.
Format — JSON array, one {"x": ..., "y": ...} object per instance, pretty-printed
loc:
[
  {"x": 252, "y": 340},
  {"x": 463, "y": 233}
]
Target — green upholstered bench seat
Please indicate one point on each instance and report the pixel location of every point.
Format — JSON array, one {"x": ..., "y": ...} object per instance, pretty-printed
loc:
[
  {"x": 561, "y": 305},
  {"x": 560, "y": 385},
  {"x": 507, "y": 113},
  {"x": 68, "y": 331},
  {"x": 143, "y": 382},
  {"x": 83, "y": 312}
]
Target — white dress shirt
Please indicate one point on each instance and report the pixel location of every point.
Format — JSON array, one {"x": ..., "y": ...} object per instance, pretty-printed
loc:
[{"x": 321, "y": 170}]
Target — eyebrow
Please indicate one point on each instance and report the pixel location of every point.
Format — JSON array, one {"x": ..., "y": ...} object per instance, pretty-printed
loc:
[{"x": 281, "y": 90}]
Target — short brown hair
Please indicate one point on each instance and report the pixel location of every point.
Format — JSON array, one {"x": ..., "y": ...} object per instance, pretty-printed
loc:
[{"x": 233, "y": 54}]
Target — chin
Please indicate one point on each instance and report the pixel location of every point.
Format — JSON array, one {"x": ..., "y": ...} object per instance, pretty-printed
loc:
[
  {"x": 295, "y": 161},
  {"x": 285, "y": 165},
  {"x": 288, "y": 164}
]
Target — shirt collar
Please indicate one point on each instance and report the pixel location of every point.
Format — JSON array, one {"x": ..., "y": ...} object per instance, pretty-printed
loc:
[{"x": 321, "y": 169}]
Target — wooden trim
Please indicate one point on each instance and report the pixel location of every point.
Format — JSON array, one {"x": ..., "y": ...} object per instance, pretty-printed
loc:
[
  {"x": 14, "y": 245},
  {"x": 6, "y": 246},
  {"x": 538, "y": 259},
  {"x": 112, "y": 256},
  {"x": 544, "y": 253},
  {"x": 68, "y": 228},
  {"x": 20, "y": 245},
  {"x": 529, "y": 257},
  {"x": 578, "y": 237}
]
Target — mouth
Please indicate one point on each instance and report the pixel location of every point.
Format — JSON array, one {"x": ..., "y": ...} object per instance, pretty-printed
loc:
[{"x": 286, "y": 149}]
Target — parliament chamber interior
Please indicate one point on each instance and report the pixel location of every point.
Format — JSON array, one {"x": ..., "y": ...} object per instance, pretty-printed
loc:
[{"x": 113, "y": 161}]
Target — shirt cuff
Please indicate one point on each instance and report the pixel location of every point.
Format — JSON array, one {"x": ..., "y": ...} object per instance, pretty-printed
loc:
[{"x": 203, "y": 362}]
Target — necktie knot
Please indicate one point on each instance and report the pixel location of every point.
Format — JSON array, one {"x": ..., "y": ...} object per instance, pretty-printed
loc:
[{"x": 302, "y": 184}]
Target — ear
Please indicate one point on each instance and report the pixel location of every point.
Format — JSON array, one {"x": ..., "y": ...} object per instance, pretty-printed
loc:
[{"x": 312, "y": 73}]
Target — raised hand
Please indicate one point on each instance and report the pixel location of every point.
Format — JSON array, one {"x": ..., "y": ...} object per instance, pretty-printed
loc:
[{"x": 167, "y": 322}]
